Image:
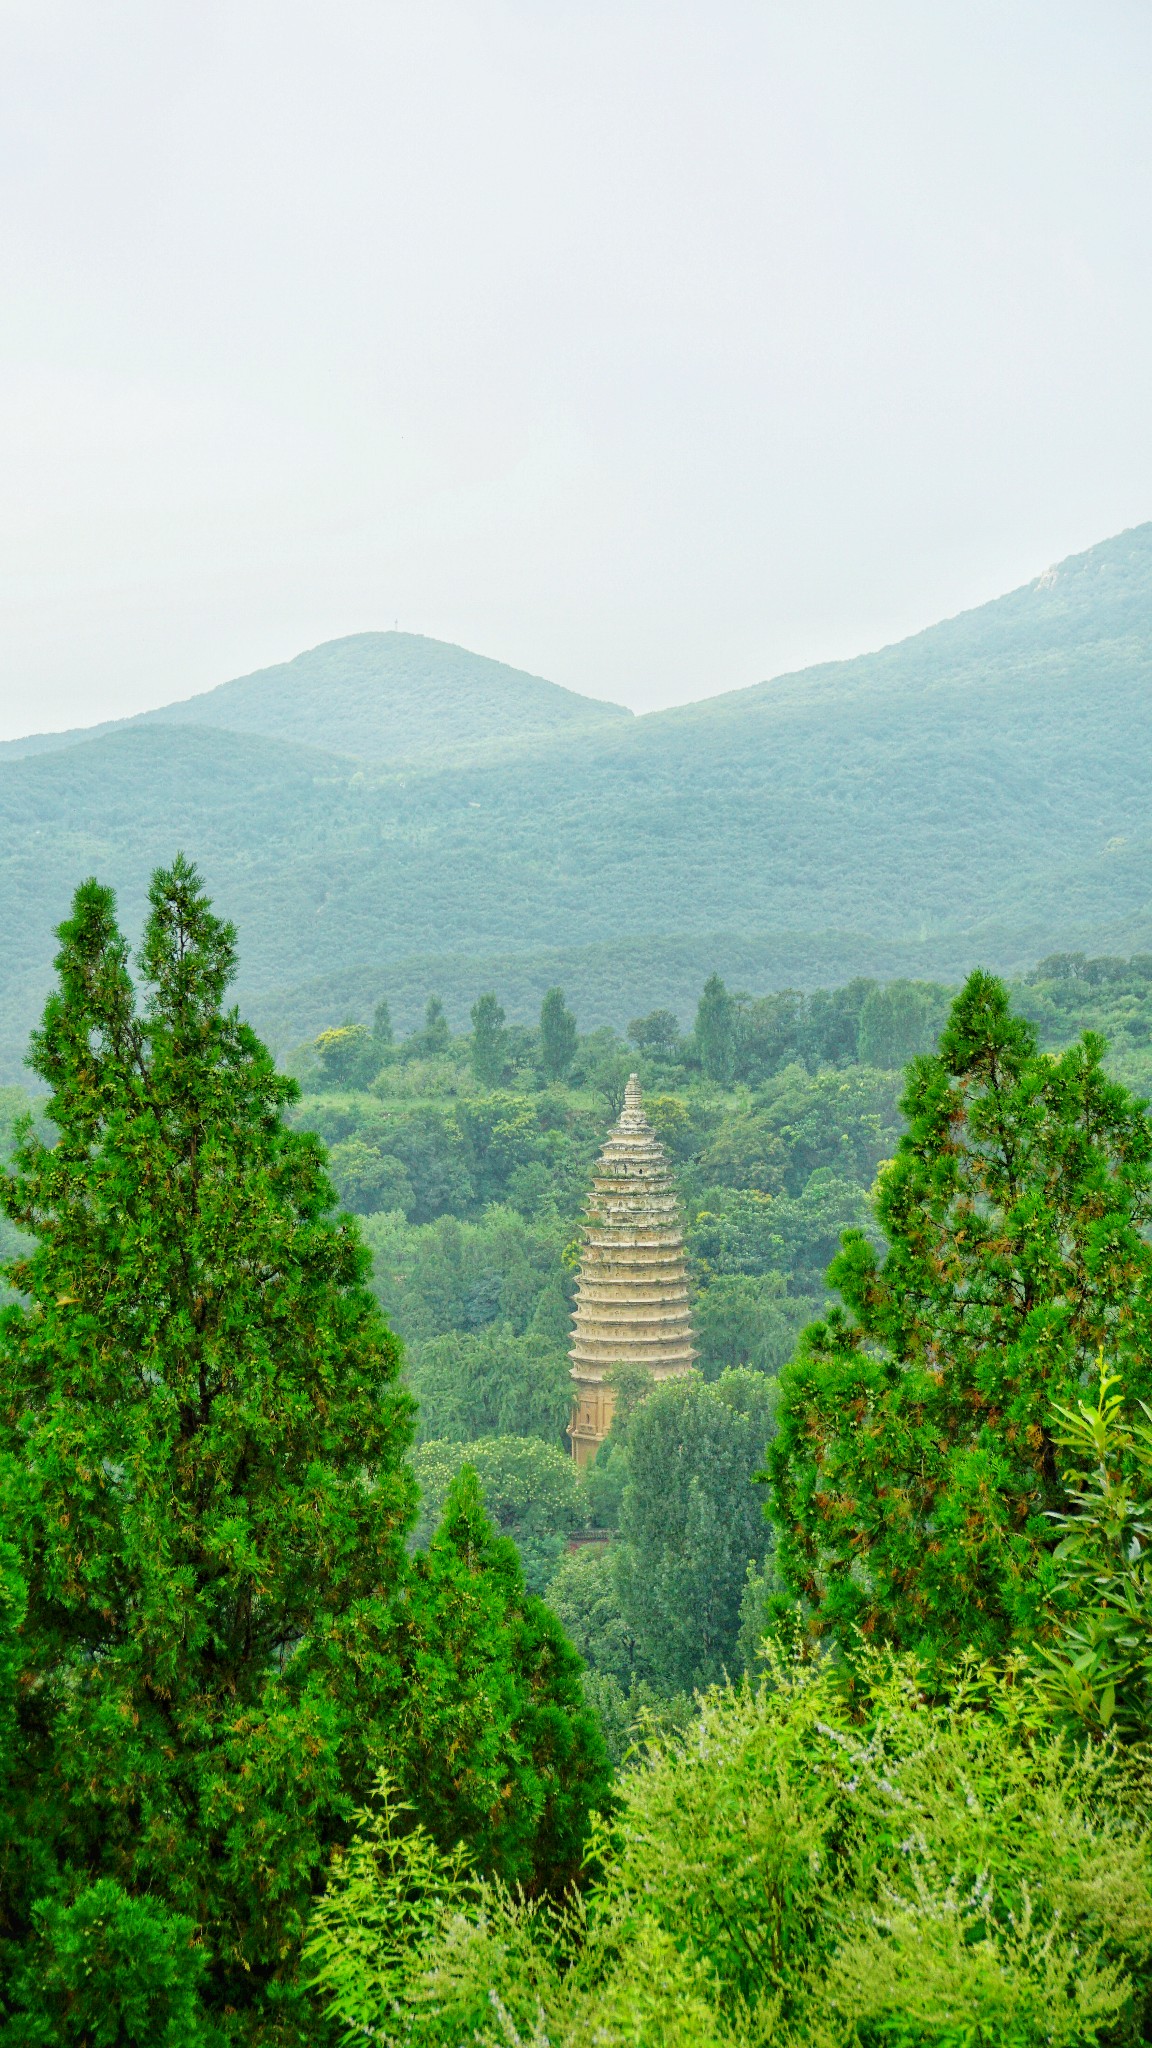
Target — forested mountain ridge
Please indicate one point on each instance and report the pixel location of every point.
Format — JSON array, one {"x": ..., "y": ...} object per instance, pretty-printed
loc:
[
  {"x": 1097, "y": 601},
  {"x": 387, "y": 696},
  {"x": 976, "y": 792}
]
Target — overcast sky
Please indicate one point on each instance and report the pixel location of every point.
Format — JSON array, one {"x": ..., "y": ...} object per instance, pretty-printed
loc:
[{"x": 654, "y": 347}]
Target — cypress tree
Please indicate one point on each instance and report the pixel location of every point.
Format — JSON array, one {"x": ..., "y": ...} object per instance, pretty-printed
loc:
[
  {"x": 503, "y": 1750},
  {"x": 489, "y": 1040},
  {"x": 716, "y": 1031},
  {"x": 435, "y": 1038},
  {"x": 914, "y": 1472},
  {"x": 557, "y": 1035},
  {"x": 205, "y": 1499}
]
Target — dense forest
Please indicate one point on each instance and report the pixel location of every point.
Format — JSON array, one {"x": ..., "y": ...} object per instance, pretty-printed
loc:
[
  {"x": 977, "y": 791},
  {"x": 337, "y": 1704}
]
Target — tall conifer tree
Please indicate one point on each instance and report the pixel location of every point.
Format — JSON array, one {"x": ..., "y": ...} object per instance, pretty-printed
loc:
[
  {"x": 505, "y": 1753},
  {"x": 202, "y": 1457},
  {"x": 914, "y": 1471},
  {"x": 489, "y": 1040},
  {"x": 716, "y": 1031},
  {"x": 557, "y": 1035}
]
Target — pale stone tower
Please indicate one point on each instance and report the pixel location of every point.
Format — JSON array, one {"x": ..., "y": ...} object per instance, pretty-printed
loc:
[{"x": 632, "y": 1300}]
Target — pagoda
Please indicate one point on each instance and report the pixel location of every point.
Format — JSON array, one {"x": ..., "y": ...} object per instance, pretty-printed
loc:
[{"x": 632, "y": 1298}]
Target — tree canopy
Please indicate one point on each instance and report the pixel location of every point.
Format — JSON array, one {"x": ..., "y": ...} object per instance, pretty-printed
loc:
[
  {"x": 915, "y": 1469},
  {"x": 489, "y": 1040},
  {"x": 205, "y": 1461},
  {"x": 210, "y": 1632},
  {"x": 557, "y": 1035}
]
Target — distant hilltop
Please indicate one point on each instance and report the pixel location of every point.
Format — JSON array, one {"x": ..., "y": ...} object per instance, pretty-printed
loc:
[
  {"x": 388, "y": 811},
  {"x": 393, "y": 696}
]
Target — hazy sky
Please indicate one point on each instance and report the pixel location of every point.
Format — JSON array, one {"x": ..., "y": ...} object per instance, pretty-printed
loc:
[{"x": 655, "y": 347}]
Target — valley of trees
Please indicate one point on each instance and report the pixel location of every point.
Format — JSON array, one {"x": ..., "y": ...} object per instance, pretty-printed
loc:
[{"x": 336, "y": 1705}]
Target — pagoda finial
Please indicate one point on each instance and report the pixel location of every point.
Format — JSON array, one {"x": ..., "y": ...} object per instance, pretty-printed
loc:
[{"x": 632, "y": 1092}]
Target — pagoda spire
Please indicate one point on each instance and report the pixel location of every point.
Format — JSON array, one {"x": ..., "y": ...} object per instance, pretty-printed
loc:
[{"x": 632, "y": 1299}]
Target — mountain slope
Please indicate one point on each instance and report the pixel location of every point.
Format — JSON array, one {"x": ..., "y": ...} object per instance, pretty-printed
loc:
[
  {"x": 384, "y": 696},
  {"x": 981, "y": 790}
]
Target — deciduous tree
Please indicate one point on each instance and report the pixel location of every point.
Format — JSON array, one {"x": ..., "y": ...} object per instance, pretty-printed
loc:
[{"x": 690, "y": 1521}]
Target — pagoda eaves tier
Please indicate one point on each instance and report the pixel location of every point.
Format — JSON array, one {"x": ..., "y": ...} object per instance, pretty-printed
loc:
[{"x": 632, "y": 1305}]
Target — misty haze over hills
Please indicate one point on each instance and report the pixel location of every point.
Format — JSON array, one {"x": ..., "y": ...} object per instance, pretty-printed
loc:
[
  {"x": 392, "y": 696},
  {"x": 390, "y": 815}
]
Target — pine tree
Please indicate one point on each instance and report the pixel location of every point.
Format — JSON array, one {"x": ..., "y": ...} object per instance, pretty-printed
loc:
[
  {"x": 202, "y": 1460},
  {"x": 914, "y": 1471},
  {"x": 489, "y": 1040},
  {"x": 716, "y": 1031},
  {"x": 557, "y": 1035},
  {"x": 503, "y": 1750}
]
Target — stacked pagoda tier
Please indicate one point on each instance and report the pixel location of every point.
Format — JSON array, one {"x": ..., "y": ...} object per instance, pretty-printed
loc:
[{"x": 632, "y": 1300}]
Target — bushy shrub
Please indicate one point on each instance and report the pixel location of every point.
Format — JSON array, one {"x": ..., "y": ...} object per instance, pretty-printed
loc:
[
  {"x": 790, "y": 1871},
  {"x": 1099, "y": 1668}
]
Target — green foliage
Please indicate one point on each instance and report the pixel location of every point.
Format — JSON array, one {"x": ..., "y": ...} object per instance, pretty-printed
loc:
[
  {"x": 1100, "y": 1670},
  {"x": 557, "y": 1035},
  {"x": 690, "y": 1520},
  {"x": 489, "y": 1040},
  {"x": 349, "y": 1056},
  {"x": 491, "y": 1382},
  {"x": 899, "y": 1022},
  {"x": 662, "y": 1604},
  {"x": 1069, "y": 993},
  {"x": 715, "y": 1033},
  {"x": 741, "y": 1231},
  {"x": 435, "y": 1037},
  {"x": 633, "y": 1715},
  {"x": 531, "y": 1152},
  {"x": 844, "y": 1121},
  {"x": 504, "y": 1752},
  {"x": 202, "y": 1460},
  {"x": 386, "y": 1900},
  {"x": 16, "y": 1107},
  {"x": 742, "y": 1320},
  {"x": 914, "y": 1469},
  {"x": 13, "y": 1602},
  {"x": 531, "y": 1490},
  {"x": 657, "y": 1034},
  {"x": 368, "y": 1179},
  {"x": 104, "y": 1969},
  {"x": 453, "y": 1276},
  {"x": 792, "y": 1871},
  {"x": 584, "y": 1595}
]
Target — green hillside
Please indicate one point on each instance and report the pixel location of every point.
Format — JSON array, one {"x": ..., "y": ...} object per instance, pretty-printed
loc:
[
  {"x": 979, "y": 791},
  {"x": 385, "y": 696}
]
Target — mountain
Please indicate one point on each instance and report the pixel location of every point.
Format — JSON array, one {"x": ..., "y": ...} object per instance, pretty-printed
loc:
[
  {"x": 383, "y": 696},
  {"x": 979, "y": 791}
]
